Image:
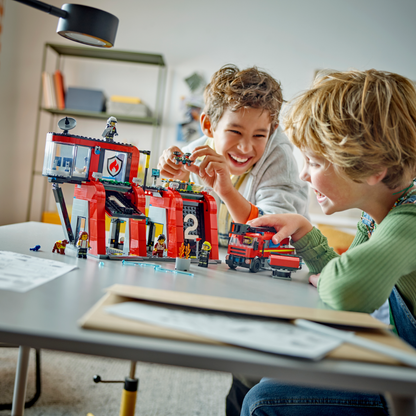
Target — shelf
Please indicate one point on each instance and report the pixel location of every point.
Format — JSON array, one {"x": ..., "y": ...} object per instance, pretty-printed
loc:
[
  {"x": 92, "y": 114},
  {"x": 111, "y": 54},
  {"x": 38, "y": 197}
]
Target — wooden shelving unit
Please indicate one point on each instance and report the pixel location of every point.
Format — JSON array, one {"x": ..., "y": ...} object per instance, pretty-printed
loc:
[{"x": 59, "y": 52}]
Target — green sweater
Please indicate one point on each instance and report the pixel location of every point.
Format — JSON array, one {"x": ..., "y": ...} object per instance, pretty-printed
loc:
[{"x": 362, "y": 278}]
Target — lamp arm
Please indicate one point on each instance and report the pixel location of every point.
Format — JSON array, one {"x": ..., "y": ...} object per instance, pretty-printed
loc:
[{"x": 47, "y": 8}]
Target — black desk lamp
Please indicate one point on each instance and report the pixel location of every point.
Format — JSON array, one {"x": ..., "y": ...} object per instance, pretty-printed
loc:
[{"x": 81, "y": 24}]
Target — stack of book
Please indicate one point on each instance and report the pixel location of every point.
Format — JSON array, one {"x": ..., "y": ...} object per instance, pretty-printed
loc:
[{"x": 53, "y": 90}]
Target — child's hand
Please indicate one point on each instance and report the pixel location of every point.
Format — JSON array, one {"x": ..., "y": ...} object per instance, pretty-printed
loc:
[
  {"x": 313, "y": 279},
  {"x": 286, "y": 225},
  {"x": 213, "y": 170},
  {"x": 168, "y": 167}
]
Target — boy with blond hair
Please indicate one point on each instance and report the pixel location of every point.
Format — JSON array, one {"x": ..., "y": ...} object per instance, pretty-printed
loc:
[
  {"x": 243, "y": 156},
  {"x": 357, "y": 133}
]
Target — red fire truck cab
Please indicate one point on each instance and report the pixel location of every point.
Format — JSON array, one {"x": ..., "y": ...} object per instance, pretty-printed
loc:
[{"x": 251, "y": 247}]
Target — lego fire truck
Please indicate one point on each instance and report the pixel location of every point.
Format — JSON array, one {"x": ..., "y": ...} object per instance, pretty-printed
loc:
[{"x": 251, "y": 247}]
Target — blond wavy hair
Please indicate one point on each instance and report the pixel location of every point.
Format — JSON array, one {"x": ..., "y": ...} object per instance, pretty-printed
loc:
[
  {"x": 360, "y": 121},
  {"x": 233, "y": 89}
]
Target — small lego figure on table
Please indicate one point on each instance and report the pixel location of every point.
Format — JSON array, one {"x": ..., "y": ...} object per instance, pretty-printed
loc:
[
  {"x": 110, "y": 131},
  {"x": 59, "y": 246},
  {"x": 160, "y": 246},
  {"x": 204, "y": 255},
  {"x": 83, "y": 245},
  {"x": 36, "y": 248}
]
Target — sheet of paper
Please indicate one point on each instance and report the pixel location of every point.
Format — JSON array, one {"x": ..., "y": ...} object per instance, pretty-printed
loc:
[
  {"x": 262, "y": 334},
  {"x": 20, "y": 273}
]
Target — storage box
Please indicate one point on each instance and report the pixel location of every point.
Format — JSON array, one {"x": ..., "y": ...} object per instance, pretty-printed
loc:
[
  {"x": 127, "y": 109},
  {"x": 85, "y": 99}
]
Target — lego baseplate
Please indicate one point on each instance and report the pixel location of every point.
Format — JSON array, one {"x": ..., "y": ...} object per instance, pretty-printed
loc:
[{"x": 153, "y": 259}]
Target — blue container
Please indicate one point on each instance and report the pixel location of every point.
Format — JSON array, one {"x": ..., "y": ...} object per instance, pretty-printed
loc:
[{"x": 85, "y": 99}]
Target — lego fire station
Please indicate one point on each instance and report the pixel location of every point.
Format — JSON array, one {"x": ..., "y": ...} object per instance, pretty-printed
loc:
[{"x": 105, "y": 175}]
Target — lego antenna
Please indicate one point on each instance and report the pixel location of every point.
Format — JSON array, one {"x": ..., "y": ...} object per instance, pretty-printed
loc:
[{"x": 67, "y": 123}]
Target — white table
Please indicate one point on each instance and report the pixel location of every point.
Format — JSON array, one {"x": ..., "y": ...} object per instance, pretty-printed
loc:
[{"x": 46, "y": 317}]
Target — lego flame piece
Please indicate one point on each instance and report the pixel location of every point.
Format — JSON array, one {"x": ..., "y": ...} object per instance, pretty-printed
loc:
[{"x": 114, "y": 167}]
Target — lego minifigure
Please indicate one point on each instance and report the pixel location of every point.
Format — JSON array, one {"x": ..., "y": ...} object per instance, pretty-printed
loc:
[
  {"x": 160, "y": 246},
  {"x": 204, "y": 255},
  {"x": 59, "y": 246},
  {"x": 83, "y": 244},
  {"x": 110, "y": 131},
  {"x": 36, "y": 248}
]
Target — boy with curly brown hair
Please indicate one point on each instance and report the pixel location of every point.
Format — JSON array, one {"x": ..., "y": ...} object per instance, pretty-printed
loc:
[{"x": 244, "y": 156}]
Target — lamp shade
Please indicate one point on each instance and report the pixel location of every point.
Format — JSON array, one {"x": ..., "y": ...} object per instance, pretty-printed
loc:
[{"x": 88, "y": 25}]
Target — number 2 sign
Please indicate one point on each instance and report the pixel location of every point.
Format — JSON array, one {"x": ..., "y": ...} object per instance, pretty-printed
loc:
[{"x": 191, "y": 228}]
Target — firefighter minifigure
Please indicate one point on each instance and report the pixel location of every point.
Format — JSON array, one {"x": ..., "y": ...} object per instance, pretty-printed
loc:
[
  {"x": 160, "y": 246},
  {"x": 110, "y": 130},
  {"x": 204, "y": 254}
]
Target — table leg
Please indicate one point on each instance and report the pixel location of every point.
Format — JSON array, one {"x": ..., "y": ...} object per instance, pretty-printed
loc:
[
  {"x": 401, "y": 406},
  {"x": 20, "y": 382}
]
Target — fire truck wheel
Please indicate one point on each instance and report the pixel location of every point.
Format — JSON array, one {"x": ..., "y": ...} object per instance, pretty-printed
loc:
[
  {"x": 231, "y": 264},
  {"x": 255, "y": 265}
]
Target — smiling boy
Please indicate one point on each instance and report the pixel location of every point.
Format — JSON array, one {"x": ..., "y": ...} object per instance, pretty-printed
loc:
[
  {"x": 357, "y": 132},
  {"x": 244, "y": 155}
]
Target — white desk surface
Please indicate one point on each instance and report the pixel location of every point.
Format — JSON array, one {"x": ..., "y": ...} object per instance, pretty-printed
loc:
[{"x": 46, "y": 317}]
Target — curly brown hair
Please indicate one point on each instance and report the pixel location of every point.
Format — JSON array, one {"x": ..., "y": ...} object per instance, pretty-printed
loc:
[
  {"x": 360, "y": 121},
  {"x": 234, "y": 89}
]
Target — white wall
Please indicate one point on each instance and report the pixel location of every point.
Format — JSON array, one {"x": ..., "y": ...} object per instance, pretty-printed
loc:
[{"x": 290, "y": 39}]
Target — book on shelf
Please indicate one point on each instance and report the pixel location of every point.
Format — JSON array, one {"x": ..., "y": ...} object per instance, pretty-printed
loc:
[
  {"x": 49, "y": 99},
  {"x": 124, "y": 99},
  {"x": 59, "y": 89}
]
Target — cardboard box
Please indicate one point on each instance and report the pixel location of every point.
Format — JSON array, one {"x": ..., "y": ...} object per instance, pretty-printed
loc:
[
  {"x": 363, "y": 324},
  {"x": 85, "y": 99}
]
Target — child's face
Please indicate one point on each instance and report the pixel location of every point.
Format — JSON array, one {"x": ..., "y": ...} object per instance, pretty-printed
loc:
[
  {"x": 241, "y": 137},
  {"x": 333, "y": 191}
]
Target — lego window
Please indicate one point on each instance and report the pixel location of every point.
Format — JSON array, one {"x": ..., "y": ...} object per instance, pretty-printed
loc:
[
  {"x": 236, "y": 240},
  {"x": 58, "y": 160},
  {"x": 82, "y": 161},
  {"x": 114, "y": 167}
]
